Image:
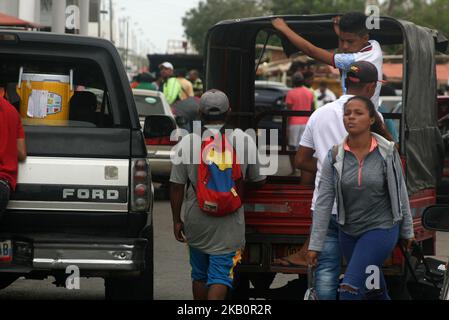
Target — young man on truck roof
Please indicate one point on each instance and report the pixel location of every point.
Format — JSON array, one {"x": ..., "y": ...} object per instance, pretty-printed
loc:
[
  {"x": 12, "y": 150},
  {"x": 215, "y": 243},
  {"x": 323, "y": 130},
  {"x": 353, "y": 42}
]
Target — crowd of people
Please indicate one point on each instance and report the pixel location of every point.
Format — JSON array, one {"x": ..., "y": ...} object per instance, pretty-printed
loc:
[
  {"x": 181, "y": 89},
  {"x": 360, "y": 206},
  {"x": 363, "y": 161}
]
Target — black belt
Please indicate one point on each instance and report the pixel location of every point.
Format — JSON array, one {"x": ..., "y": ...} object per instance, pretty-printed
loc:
[{"x": 5, "y": 182}]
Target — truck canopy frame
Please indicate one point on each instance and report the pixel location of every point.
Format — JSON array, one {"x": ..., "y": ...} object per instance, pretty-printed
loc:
[{"x": 230, "y": 63}]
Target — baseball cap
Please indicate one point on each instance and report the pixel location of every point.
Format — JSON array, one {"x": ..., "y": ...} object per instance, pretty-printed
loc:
[
  {"x": 214, "y": 102},
  {"x": 166, "y": 65},
  {"x": 362, "y": 72}
]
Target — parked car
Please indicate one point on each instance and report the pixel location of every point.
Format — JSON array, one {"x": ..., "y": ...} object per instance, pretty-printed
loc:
[
  {"x": 153, "y": 104},
  {"x": 84, "y": 196},
  {"x": 270, "y": 96}
]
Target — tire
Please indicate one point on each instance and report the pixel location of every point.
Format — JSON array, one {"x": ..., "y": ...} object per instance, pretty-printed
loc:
[
  {"x": 6, "y": 280},
  {"x": 397, "y": 288},
  {"x": 397, "y": 285},
  {"x": 137, "y": 288}
]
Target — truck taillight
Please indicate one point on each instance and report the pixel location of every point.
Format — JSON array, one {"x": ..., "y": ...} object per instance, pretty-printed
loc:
[{"x": 141, "y": 196}]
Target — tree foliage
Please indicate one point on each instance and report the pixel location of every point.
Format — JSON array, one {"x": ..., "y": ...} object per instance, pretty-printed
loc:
[
  {"x": 198, "y": 20},
  {"x": 428, "y": 13},
  {"x": 280, "y": 7}
]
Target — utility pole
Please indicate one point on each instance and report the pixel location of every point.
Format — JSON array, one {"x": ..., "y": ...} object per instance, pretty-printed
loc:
[
  {"x": 84, "y": 17},
  {"x": 111, "y": 20},
  {"x": 27, "y": 10},
  {"x": 58, "y": 16},
  {"x": 99, "y": 18},
  {"x": 127, "y": 43},
  {"x": 100, "y": 12}
]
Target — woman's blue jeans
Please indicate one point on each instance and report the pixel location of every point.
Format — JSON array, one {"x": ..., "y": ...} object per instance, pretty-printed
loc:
[
  {"x": 365, "y": 256},
  {"x": 327, "y": 272}
]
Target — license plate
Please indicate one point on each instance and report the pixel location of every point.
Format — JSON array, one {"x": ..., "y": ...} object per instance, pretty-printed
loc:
[{"x": 5, "y": 251}]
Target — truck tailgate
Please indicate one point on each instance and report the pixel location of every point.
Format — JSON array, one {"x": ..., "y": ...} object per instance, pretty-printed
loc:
[
  {"x": 74, "y": 184},
  {"x": 279, "y": 207}
]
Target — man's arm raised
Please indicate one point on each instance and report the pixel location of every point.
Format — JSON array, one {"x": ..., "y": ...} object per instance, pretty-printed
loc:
[{"x": 302, "y": 44}]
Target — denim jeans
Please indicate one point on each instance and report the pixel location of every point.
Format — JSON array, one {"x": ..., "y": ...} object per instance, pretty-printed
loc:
[
  {"x": 364, "y": 253},
  {"x": 327, "y": 272},
  {"x": 4, "y": 196}
]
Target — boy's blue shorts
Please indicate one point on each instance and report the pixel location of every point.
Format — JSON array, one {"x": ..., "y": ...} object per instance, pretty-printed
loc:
[{"x": 214, "y": 269}]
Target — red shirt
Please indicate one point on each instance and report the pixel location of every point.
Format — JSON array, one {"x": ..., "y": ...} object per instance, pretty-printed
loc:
[
  {"x": 10, "y": 130},
  {"x": 301, "y": 99}
]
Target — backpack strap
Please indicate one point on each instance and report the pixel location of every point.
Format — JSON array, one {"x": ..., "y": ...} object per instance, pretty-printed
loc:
[{"x": 204, "y": 129}]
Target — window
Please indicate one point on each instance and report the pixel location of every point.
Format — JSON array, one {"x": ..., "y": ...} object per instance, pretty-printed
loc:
[
  {"x": 148, "y": 105},
  {"x": 94, "y": 10},
  {"x": 47, "y": 92}
]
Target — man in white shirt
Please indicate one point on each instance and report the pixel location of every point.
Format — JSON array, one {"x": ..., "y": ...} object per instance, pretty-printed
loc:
[
  {"x": 325, "y": 129},
  {"x": 354, "y": 45}
]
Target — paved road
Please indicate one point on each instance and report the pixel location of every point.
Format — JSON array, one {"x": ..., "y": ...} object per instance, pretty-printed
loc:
[
  {"x": 171, "y": 271},
  {"x": 172, "y": 280}
]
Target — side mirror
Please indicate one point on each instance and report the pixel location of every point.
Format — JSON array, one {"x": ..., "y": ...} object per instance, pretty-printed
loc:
[
  {"x": 436, "y": 218},
  {"x": 158, "y": 127}
]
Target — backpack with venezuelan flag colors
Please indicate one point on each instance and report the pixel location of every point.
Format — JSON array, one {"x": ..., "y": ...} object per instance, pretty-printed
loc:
[{"x": 219, "y": 177}]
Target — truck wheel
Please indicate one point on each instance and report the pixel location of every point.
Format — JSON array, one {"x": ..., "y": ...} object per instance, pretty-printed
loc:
[
  {"x": 6, "y": 280},
  {"x": 397, "y": 288},
  {"x": 397, "y": 284},
  {"x": 137, "y": 288}
]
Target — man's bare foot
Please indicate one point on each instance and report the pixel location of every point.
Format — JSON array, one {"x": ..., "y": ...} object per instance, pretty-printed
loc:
[{"x": 296, "y": 259}]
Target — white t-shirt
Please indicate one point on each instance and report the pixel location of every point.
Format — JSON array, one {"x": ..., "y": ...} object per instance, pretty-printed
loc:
[
  {"x": 371, "y": 53},
  {"x": 324, "y": 129},
  {"x": 329, "y": 96}
]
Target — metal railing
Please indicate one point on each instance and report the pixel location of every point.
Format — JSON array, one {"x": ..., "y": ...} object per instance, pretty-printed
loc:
[{"x": 254, "y": 120}]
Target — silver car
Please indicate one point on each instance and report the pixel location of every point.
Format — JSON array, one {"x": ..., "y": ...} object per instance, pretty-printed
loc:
[{"x": 153, "y": 103}]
